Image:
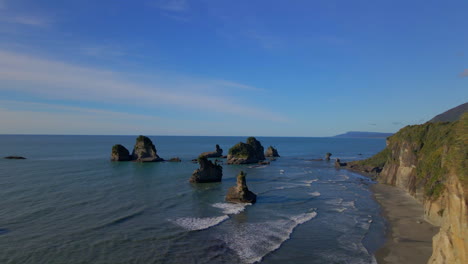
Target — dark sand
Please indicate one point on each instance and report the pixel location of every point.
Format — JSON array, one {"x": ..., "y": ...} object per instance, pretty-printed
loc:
[{"x": 409, "y": 236}]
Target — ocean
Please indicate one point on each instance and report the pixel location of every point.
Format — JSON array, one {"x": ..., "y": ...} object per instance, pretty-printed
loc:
[{"x": 68, "y": 203}]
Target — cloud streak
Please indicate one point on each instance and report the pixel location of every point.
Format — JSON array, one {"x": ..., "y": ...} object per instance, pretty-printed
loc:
[
  {"x": 172, "y": 5},
  {"x": 61, "y": 81},
  {"x": 464, "y": 73}
]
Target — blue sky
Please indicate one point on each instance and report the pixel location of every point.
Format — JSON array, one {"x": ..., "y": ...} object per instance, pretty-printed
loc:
[{"x": 218, "y": 67}]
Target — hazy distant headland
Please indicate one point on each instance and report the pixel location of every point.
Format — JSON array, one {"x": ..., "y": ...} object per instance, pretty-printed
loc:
[{"x": 362, "y": 134}]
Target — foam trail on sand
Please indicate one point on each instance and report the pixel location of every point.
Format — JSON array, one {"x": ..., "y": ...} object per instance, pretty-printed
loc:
[
  {"x": 253, "y": 241},
  {"x": 192, "y": 223},
  {"x": 230, "y": 208}
]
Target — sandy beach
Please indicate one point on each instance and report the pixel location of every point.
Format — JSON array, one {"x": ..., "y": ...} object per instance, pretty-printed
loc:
[{"x": 409, "y": 236}]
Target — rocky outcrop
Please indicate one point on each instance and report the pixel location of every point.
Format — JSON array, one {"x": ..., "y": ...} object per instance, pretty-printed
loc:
[
  {"x": 15, "y": 157},
  {"x": 120, "y": 153},
  {"x": 327, "y": 156},
  {"x": 246, "y": 153},
  {"x": 430, "y": 162},
  {"x": 271, "y": 152},
  {"x": 144, "y": 150},
  {"x": 208, "y": 171},
  {"x": 213, "y": 154},
  {"x": 175, "y": 159},
  {"x": 240, "y": 193},
  {"x": 339, "y": 164}
]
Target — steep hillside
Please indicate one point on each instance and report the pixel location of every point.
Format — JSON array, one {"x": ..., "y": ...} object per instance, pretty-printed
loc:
[
  {"x": 451, "y": 115},
  {"x": 430, "y": 162}
]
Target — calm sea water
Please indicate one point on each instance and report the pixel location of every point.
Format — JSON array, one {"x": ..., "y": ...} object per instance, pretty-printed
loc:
[{"x": 67, "y": 203}]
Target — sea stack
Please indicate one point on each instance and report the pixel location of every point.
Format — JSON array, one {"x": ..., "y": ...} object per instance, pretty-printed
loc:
[
  {"x": 213, "y": 154},
  {"x": 271, "y": 152},
  {"x": 246, "y": 153},
  {"x": 327, "y": 156},
  {"x": 208, "y": 172},
  {"x": 145, "y": 151},
  {"x": 240, "y": 193},
  {"x": 120, "y": 153}
]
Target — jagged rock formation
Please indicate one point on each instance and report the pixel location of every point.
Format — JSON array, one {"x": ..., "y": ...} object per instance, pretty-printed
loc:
[
  {"x": 327, "y": 156},
  {"x": 240, "y": 193},
  {"x": 208, "y": 172},
  {"x": 271, "y": 152},
  {"x": 15, "y": 157},
  {"x": 144, "y": 150},
  {"x": 430, "y": 162},
  {"x": 120, "y": 153},
  {"x": 246, "y": 153},
  {"x": 213, "y": 154}
]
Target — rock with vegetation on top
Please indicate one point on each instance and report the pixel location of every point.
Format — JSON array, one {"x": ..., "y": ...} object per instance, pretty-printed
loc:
[
  {"x": 15, "y": 157},
  {"x": 246, "y": 153},
  {"x": 120, "y": 153},
  {"x": 327, "y": 156},
  {"x": 208, "y": 171},
  {"x": 240, "y": 193},
  {"x": 145, "y": 151},
  {"x": 271, "y": 152},
  {"x": 213, "y": 154}
]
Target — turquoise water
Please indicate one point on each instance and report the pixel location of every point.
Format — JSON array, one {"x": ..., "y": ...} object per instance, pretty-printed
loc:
[{"x": 67, "y": 203}]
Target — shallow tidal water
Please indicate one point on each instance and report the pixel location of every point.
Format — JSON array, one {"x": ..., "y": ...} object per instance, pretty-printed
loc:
[{"x": 67, "y": 203}]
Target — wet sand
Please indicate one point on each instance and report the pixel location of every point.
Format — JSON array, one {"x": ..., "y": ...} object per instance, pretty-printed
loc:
[{"x": 409, "y": 236}]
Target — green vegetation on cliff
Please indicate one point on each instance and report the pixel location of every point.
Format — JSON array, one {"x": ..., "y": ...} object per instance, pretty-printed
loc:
[{"x": 435, "y": 149}]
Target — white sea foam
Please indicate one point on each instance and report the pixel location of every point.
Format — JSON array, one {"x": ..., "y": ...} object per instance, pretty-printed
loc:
[
  {"x": 335, "y": 201},
  {"x": 339, "y": 209},
  {"x": 309, "y": 182},
  {"x": 192, "y": 223},
  {"x": 315, "y": 194},
  {"x": 281, "y": 171},
  {"x": 348, "y": 204},
  {"x": 230, "y": 208},
  {"x": 253, "y": 241}
]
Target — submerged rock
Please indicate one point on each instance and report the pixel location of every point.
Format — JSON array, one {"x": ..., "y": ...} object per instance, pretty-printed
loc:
[
  {"x": 208, "y": 171},
  {"x": 176, "y": 159},
  {"x": 145, "y": 151},
  {"x": 327, "y": 156},
  {"x": 15, "y": 157},
  {"x": 120, "y": 153},
  {"x": 240, "y": 193},
  {"x": 246, "y": 153},
  {"x": 271, "y": 152},
  {"x": 213, "y": 154}
]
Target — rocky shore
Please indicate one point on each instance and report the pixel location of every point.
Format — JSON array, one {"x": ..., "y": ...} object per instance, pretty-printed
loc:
[{"x": 429, "y": 163}]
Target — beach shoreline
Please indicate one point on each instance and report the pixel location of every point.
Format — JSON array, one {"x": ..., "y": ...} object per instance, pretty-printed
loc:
[{"x": 408, "y": 234}]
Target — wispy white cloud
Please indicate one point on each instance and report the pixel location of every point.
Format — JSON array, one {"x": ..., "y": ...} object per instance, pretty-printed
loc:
[
  {"x": 172, "y": 5},
  {"x": 101, "y": 51},
  {"x": 464, "y": 73},
  {"x": 25, "y": 20},
  {"x": 62, "y": 81},
  {"x": 264, "y": 40}
]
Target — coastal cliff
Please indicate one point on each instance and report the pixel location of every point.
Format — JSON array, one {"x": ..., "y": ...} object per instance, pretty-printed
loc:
[{"x": 429, "y": 161}]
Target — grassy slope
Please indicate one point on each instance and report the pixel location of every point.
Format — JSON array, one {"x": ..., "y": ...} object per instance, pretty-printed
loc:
[{"x": 440, "y": 148}]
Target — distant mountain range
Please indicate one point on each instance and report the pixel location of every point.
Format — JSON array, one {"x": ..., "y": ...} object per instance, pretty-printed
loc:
[
  {"x": 361, "y": 134},
  {"x": 451, "y": 115}
]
